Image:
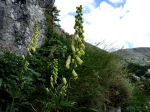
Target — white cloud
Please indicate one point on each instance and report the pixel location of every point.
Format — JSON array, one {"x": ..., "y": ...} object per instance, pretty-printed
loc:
[
  {"x": 67, "y": 23},
  {"x": 116, "y": 1},
  {"x": 105, "y": 23},
  {"x": 70, "y": 5},
  {"x": 66, "y": 6}
]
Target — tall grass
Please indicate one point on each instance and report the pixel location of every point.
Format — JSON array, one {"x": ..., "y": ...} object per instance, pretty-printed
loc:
[{"x": 102, "y": 81}]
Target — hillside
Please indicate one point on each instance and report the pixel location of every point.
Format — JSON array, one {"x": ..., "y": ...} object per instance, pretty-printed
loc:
[
  {"x": 139, "y": 55},
  {"x": 44, "y": 69}
]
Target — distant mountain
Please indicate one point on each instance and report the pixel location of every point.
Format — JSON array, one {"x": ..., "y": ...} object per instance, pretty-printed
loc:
[{"x": 139, "y": 55}]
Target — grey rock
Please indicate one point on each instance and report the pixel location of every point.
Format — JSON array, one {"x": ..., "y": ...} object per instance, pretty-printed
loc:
[
  {"x": 115, "y": 109},
  {"x": 17, "y": 18},
  {"x": 139, "y": 55}
]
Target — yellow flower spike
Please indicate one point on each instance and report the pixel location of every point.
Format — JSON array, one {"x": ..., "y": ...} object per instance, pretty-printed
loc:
[
  {"x": 33, "y": 44},
  {"x": 75, "y": 75},
  {"x": 79, "y": 61},
  {"x": 68, "y": 62}
]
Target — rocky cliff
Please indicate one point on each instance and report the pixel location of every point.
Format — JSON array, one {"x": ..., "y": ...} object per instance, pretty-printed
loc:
[
  {"x": 17, "y": 19},
  {"x": 136, "y": 55}
]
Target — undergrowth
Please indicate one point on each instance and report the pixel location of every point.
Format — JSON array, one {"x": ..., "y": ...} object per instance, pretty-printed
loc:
[{"x": 40, "y": 81}]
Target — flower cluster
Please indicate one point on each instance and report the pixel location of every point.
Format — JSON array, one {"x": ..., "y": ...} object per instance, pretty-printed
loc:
[
  {"x": 77, "y": 44},
  {"x": 33, "y": 44},
  {"x": 53, "y": 79}
]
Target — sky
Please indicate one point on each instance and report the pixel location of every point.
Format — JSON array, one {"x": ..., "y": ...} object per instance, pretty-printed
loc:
[{"x": 109, "y": 24}]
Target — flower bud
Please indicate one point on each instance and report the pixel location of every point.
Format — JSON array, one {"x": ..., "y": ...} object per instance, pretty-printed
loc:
[
  {"x": 72, "y": 47},
  {"x": 79, "y": 53},
  {"x": 33, "y": 49},
  {"x": 72, "y": 60},
  {"x": 82, "y": 52},
  {"x": 51, "y": 81},
  {"x": 28, "y": 49},
  {"x": 75, "y": 75},
  {"x": 23, "y": 57},
  {"x": 47, "y": 90},
  {"x": 79, "y": 61},
  {"x": 79, "y": 40},
  {"x": 64, "y": 81},
  {"x": 68, "y": 62},
  {"x": 82, "y": 46}
]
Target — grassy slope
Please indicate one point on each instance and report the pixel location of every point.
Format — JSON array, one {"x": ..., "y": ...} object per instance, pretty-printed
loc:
[{"x": 102, "y": 81}]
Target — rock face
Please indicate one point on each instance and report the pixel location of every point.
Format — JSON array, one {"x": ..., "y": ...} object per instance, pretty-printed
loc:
[
  {"x": 136, "y": 55},
  {"x": 17, "y": 19}
]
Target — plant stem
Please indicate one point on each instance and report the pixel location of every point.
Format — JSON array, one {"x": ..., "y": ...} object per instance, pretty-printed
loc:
[{"x": 12, "y": 104}]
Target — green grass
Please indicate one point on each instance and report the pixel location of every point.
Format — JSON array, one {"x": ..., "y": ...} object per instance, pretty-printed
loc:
[
  {"x": 137, "y": 102},
  {"x": 98, "y": 73}
]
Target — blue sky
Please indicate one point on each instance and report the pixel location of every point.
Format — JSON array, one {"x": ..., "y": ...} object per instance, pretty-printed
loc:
[
  {"x": 116, "y": 4},
  {"x": 114, "y": 23}
]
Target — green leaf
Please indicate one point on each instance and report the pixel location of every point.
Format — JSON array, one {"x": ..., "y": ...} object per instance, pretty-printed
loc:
[
  {"x": 66, "y": 104},
  {"x": 1, "y": 81},
  {"x": 34, "y": 72}
]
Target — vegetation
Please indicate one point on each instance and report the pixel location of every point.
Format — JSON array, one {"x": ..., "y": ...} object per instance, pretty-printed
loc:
[
  {"x": 77, "y": 44},
  {"x": 139, "y": 76},
  {"x": 42, "y": 80}
]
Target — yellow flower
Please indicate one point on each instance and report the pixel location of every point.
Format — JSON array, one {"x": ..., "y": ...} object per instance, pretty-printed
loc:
[
  {"x": 72, "y": 47},
  {"x": 68, "y": 62},
  {"x": 82, "y": 46},
  {"x": 73, "y": 61},
  {"x": 79, "y": 53},
  {"x": 79, "y": 40},
  {"x": 82, "y": 52},
  {"x": 47, "y": 90},
  {"x": 23, "y": 57},
  {"x": 75, "y": 75},
  {"x": 146, "y": 107},
  {"x": 79, "y": 60},
  {"x": 51, "y": 81},
  {"x": 33, "y": 49},
  {"x": 64, "y": 81}
]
